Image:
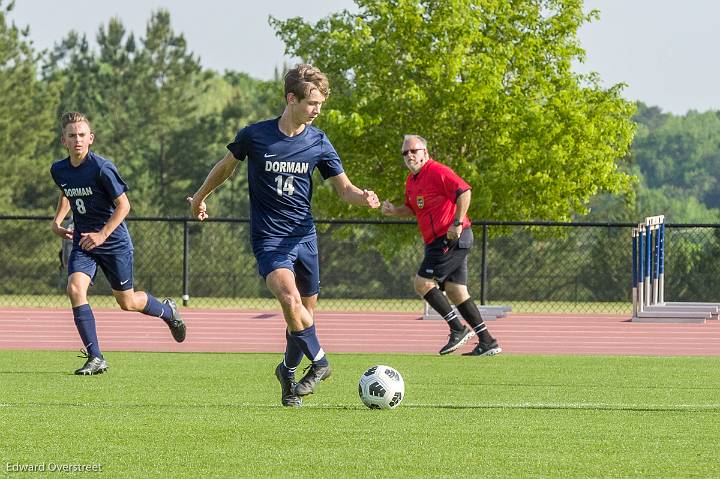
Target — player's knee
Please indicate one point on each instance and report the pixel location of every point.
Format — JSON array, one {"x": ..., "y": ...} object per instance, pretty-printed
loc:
[
  {"x": 423, "y": 285},
  {"x": 290, "y": 301},
  {"x": 75, "y": 291},
  {"x": 126, "y": 304},
  {"x": 457, "y": 293}
]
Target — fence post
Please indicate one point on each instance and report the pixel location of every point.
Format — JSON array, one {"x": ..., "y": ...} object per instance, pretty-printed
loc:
[
  {"x": 186, "y": 251},
  {"x": 484, "y": 276}
]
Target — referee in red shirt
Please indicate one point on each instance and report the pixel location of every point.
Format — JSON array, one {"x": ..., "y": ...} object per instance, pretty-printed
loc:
[{"x": 440, "y": 199}]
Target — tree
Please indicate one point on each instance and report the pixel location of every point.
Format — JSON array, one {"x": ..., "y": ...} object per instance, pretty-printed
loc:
[
  {"x": 26, "y": 122},
  {"x": 105, "y": 85},
  {"x": 680, "y": 155},
  {"x": 157, "y": 114},
  {"x": 488, "y": 83},
  {"x": 141, "y": 98},
  {"x": 172, "y": 80}
]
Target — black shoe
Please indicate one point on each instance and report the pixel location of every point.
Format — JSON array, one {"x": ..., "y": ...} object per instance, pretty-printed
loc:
[
  {"x": 287, "y": 384},
  {"x": 457, "y": 339},
  {"x": 489, "y": 349},
  {"x": 93, "y": 365},
  {"x": 311, "y": 379},
  {"x": 176, "y": 325}
]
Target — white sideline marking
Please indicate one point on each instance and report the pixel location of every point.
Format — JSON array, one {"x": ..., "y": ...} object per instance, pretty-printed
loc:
[{"x": 576, "y": 406}]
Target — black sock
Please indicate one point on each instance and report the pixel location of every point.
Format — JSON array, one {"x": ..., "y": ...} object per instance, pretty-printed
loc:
[
  {"x": 470, "y": 312},
  {"x": 440, "y": 303}
]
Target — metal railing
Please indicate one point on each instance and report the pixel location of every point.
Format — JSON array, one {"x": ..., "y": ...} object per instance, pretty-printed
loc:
[{"x": 369, "y": 265}]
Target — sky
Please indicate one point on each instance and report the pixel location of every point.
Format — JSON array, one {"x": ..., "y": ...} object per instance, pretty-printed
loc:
[{"x": 661, "y": 49}]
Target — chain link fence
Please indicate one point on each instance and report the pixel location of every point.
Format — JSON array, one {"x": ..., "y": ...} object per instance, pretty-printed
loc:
[{"x": 531, "y": 267}]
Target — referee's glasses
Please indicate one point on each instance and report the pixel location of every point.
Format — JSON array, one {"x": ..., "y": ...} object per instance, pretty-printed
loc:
[{"x": 414, "y": 151}]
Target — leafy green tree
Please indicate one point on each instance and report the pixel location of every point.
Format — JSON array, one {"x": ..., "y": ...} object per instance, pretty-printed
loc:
[
  {"x": 172, "y": 79},
  {"x": 489, "y": 84},
  {"x": 157, "y": 114},
  {"x": 105, "y": 85},
  {"x": 240, "y": 100},
  {"x": 679, "y": 156},
  {"x": 675, "y": 159},
  {"x": 142, "y": 98},
  {"x": 649, "y": 117},
  {"x": 26, "y": 122}
]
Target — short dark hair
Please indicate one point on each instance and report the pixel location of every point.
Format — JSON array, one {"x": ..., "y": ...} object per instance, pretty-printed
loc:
[{"x": 305, "y": 78}]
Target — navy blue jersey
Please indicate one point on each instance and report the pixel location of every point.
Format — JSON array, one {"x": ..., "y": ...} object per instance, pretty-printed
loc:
[
  {"x": 279, "y": 172},
  {"x": 91, "y": 189}
]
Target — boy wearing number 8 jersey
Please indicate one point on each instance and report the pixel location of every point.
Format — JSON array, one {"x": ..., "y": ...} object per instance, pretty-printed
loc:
[{"x": 92, "y": 188}]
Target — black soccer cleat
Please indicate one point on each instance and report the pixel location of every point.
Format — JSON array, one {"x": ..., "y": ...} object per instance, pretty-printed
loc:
[
  {"x": 287, "y": 384},
  {"x": 457, "y": 339},
  {"x": 93, "y": 365},
  {"x": 488, "y": 349},
  {"x": 176, "y": 325},
  {"x": 308, "y": 382}
]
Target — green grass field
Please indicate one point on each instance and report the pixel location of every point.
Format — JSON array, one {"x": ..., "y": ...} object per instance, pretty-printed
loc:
[{"x": 218, "y": 415}]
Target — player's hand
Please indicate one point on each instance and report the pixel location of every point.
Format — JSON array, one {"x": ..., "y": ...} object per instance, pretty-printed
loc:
[
  {"x": 89, "y": 241},
  {"x": 371, "y": 199},
  {"x": 64, "y": 233},
  {"x": 388, "y": 209},
  {"x": 197, "y": 209}
]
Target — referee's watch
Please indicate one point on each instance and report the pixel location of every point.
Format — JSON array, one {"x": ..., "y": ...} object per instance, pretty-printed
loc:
[{"x": 457, "y": 223}]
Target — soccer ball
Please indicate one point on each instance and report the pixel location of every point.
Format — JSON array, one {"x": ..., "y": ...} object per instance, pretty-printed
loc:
[{"x": 381, "y": 387}]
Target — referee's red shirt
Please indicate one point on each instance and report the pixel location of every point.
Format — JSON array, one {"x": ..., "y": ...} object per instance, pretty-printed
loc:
[{"x": 431, "y": 194}]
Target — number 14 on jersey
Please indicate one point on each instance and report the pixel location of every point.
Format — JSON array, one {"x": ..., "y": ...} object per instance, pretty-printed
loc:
[{"x": 286, "y": 186}]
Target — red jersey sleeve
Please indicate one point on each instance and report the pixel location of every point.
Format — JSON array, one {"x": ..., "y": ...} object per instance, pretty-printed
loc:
[{"x": 454, "y": 185}]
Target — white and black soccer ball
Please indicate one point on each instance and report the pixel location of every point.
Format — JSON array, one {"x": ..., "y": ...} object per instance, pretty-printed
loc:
[{"x": 381, "y": 387}]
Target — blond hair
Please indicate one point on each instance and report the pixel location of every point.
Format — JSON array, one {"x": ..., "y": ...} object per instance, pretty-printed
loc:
[
  {"x": 73, "y": 117},
  {"x": 305, "y": 78}
]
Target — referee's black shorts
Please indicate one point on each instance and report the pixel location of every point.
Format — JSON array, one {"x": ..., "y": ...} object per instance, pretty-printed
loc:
[{"x": 446, "y": 260}]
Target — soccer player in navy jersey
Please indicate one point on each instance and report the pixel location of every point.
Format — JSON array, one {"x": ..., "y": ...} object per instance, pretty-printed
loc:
[
  {"x": 92, "y": 188},
  {"x": 281, "y": 155},
  {"x": 440, "y": 199}
]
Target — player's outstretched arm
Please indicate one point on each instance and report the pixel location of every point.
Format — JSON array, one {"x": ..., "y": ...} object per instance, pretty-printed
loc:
[
  {"x": 63, "y": 207},
  {"x": 389, "y": 209},
  {"x": 352, "y": 194},
  {"x": 217, "y": 176}
]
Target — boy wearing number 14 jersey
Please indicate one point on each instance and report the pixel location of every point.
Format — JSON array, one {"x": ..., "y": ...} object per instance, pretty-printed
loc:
[
  {"x": 281, "y": 155},
  {"x": 92, "y": 188}
]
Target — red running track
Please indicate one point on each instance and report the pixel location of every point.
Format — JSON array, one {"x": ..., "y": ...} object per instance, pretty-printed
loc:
[{"x": 263, "y": 331}]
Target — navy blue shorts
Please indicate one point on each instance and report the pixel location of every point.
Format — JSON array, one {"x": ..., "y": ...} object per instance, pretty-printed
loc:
[
  {"x": 300, "y": 258},
  {"x": 446, "y": 260},
  {"x": 118, "y": 268}
]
